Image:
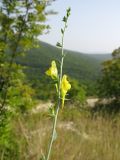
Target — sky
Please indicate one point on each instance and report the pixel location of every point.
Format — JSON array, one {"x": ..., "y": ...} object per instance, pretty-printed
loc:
[{"x": 93, "y": 27}]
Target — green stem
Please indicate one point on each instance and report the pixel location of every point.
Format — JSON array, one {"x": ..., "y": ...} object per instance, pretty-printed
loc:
[
  {"x": 59, "y": 94},
  {"x": 59, "y": 100},
  {"x": 53, "y": 133},
  {"x": 57, "y": 111},
  {"x": 2, "y": 156}
]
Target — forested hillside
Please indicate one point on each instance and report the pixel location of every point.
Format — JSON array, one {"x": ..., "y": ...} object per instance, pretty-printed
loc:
[{"x": 77, "y": 65}]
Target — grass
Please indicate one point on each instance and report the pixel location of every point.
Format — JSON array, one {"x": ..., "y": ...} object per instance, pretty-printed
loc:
[{"x": 79, "y": 136}]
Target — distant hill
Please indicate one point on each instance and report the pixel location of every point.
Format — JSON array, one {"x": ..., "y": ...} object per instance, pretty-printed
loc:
[
  {"x": 101, "y": 57},
  {"x": 77, "y": 65}
]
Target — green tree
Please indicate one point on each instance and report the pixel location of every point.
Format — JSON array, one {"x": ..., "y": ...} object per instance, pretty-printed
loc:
[
  {"x": 21, "y": 22},
  {"x": 109, "y": 85},
  {"x": 77, "y": 93}
]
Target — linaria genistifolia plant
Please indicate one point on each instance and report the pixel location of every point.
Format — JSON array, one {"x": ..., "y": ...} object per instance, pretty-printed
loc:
[{"x": 61, "y": 83}]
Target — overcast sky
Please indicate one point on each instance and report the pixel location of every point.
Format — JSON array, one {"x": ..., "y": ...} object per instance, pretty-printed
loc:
[{"x": 94, "y": 25}]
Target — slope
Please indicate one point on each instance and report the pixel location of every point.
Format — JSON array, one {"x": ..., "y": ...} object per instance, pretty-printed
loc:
[{"x": 77, "y": 65}]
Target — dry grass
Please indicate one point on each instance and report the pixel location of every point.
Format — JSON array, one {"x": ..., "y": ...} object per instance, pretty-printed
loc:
[{"x": 80, "y": 136}]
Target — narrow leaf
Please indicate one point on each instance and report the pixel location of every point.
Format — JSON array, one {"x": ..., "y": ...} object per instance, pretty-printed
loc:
[{"x": 62, "y": 31}]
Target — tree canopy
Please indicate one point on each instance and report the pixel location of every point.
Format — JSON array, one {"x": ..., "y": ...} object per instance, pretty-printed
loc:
[
  {"x": 21, "y": 22},
  {"x": 110, "y": 82}
]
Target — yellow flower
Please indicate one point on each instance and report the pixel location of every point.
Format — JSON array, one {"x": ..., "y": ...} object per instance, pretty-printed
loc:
[
  {"x": 65, "y": 86},
  {"x": 52, "y": 71}
]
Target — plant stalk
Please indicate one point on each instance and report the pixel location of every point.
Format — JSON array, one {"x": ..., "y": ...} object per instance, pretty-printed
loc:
[
  {"x": 59, "y": 98},
  {"x": 65, "y": 19}
]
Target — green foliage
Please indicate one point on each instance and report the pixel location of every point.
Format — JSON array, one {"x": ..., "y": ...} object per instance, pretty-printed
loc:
[
  {"x": 77, "y": 93},
  {"x": 21, "y": 22},
  {"x": 82, "y": 67},
  {"x": 78, "y": 65},
  {"x": 110, "y": 82}
]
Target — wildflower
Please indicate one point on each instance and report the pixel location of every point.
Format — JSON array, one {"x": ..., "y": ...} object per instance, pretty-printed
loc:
[
  {"x": 52, "y": 71},
  {"x": 65, "y": 86}
]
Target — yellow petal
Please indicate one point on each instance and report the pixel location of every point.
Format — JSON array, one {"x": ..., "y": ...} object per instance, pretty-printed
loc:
[
  {"x": 52, "y": 71},
  {"x": 65, "y": 86}
]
